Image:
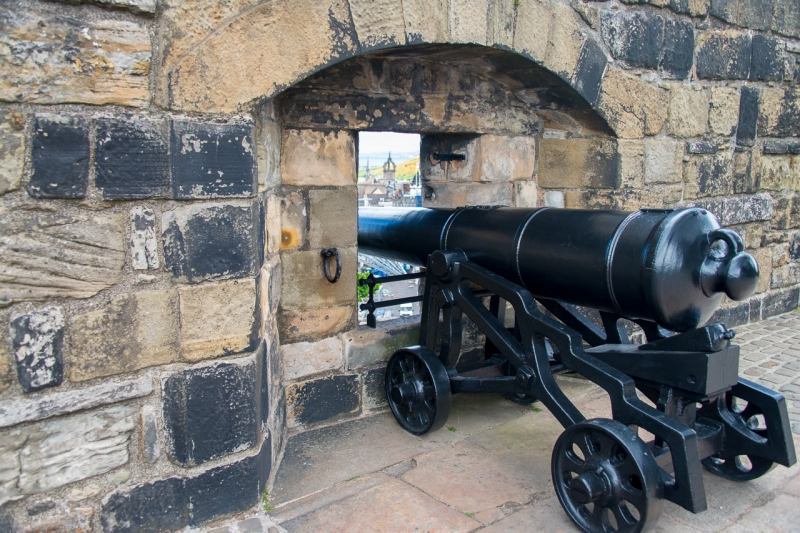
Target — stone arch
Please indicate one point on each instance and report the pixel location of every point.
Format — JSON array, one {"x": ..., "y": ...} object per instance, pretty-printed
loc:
[{"x": 259, "y": 51}]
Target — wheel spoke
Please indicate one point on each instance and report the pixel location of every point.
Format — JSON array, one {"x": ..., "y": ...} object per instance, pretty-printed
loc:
[
  {"x": 634, "y": 496},
  {"x": 750, "y": 411},
  {"x": 571, "y": 462},
  {"x": 403, "y": 365},
  {"x": 607, "y": 445},
  {"x": 584, "y": 442},
  {"x": 596, "y": 517},
  {"x": 624, "y": 517}
]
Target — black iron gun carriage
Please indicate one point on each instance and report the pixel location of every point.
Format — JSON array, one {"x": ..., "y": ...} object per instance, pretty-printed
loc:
[{"x": 664, "y": 270}]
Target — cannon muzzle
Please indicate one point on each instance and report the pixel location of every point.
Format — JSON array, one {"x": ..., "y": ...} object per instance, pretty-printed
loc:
[{"x": 669, "y": 266}]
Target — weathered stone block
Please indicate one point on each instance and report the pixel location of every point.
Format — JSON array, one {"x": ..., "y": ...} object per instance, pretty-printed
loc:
[
  {"x": 709, "y": 175},
  {"x": 748, "y": 116},
  {"x": 272, "y": 224},
  {"x": 735, "y": 316},
  {"x": 779, "y": 302},
  {"x": 217, "y": 318},
  {"x": 564, "y": 42},
  {"x": 211, "y": 241},
  {"x": 785, "y": 276},
  {"x": 366, "y": 347},
  {"x": 701, "y": 147},
  {"x": 333, "y": 217},
  {"x": 574, "y": 163},
  {"x": 6, "y": 372},
  {"x": 632, "y": 107},
  {"x": 316, "y": 323},
  {"x": 780, "y": 112},
  {"x": 90, "y": 60},
  {"x": 133, "y": 331},
  {"x": 695, "y": 8},
  {"x": 631, "y": 163},
  {"x": 688, "y": 111},
  {"x": 755, "y": 14},
  {"x": 459, "y": 194},
  {"x": 89, "y": 257},
  {"x": 144, "y": 247},
  {"x": 304, "y": 286},
  {"x": 663, "y": 162},
  {"x": 158, "y": 506},
  {"x": 136, "y": 6},
  {"x": 426, "y": 21},
  {"x": 212, "y": 160},
  {"x": 723, "y": 115},
  {"x": 767, "y": 59},
  {"x": 294, "y": 220},
  {"x": 589, "y": 72},
  {"x": 12, "y": 150},
  {"x": 324, "y": 399},
  {"x": 526, "y": 194},
  {"x": 318, "y": 158},
  {"x": 746, "y": 171},
  {"x": 775, "y": 147},
  {"x": 777, "y": 174},
  {"x": 723, "y": 55},
  {"x": 468, "y": 21},
  {"x": 51, "y": 454},
  {"x": 740, "y": 209},
  {"x": 38, "y": 340},
  {"x": 786, "y": 20},
  {"x": 763, "y": 257},
  {"x": 210, "y": 412},
  {"x": 794, "y": 246},
  {"x": 634, "y": 37},
  {"x": 501, "y": 17},
  {"x": 132, "y": 159},
  {"x": 303, "y": 359},
  {"x": 678, "y": 49},
  {"x": 379, "y": 24},
  {"x": 60, "y": 151},
  {"x": 532, "y": 29},
  {"x": 787, "y": 211},
  {"x": 374, "y": 395}
]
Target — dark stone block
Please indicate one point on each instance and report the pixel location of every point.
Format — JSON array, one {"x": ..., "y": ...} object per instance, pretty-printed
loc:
[
  {"x": 767, "y": 61},
  {"x": 794, "y": 147},
  {"x": 794, "y": 247},
  {"x": 786, "y": 20},
  {"x": 745, "y": 178},
  {"x": 6, "y": 522},
  {"x": 158, "y": 506},
  {"x": 724, "y": 57},
  {"x": 780, "y": 302},
  {"x": 748, "y": 116},
  {"x": 775, "y": 147},
  {"x": 700, "y": 147},
  {"x": 210, "y": 412},
  {"x": 217, "y": 241},
  {"x": 679, "y": 6},
  {"x": 223, "y": 490},
  {"x": 678, "y": 49},
  {"x": 788, "y": 122},
  {"x": 733, "y": 316},
  {"x": 589, "y": 74},
  {"x": 323, "y": 399},
  {"x": 755, "y": 14},
  {"x": 264, "y": 459},
  {"x": 635, "y": 37},
  {"x": 132, "y": 159},
  {"x": 715, "y": 175},
  {"x": 38, "y": 340},
  {"x": 375, "y": 387},
  {"x": 212, "y": 160},
  {"x": 726, "y": 10},
  {"x": 60, "y": 150}
]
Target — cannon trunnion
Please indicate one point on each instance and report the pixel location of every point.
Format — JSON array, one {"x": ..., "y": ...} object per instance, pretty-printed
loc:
[{"x": 664, "y": 270}]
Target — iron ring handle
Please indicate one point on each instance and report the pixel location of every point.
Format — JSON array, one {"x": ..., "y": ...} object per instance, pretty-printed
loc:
[
  {"x": 327, "y": 253},
  {"x": 729, "y": 237}
]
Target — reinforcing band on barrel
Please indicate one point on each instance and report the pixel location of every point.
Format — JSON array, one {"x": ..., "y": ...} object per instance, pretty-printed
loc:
[{"x": 612, "y": 246}]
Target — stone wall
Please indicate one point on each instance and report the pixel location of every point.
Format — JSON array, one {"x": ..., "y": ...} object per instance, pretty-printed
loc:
[{"x": 170, "y": 171}]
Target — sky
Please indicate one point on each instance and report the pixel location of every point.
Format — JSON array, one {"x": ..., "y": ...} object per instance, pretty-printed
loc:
[{"x": 385, "y": 141}]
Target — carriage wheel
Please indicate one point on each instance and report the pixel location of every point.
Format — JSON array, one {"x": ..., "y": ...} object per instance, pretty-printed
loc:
[
  {"x": 741, "y": 467},
  {"x": 606, "y": 478},
  {"x": 418, "y": 389}
]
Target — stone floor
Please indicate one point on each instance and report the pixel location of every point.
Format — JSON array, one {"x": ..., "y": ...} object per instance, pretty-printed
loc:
[{"x": 488, "y": 470}]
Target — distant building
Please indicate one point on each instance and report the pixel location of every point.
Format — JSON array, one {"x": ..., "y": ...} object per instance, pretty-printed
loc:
[
  {"x": 389, "y": 169},
  {"x": 375, "y": 191}
]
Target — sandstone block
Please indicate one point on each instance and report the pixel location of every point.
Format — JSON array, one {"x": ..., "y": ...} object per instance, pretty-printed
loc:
[
  {"x": 459, "y": 194},
  {"x": 663, "y": 162},
  {"x": 426, "y": 21},
  {"x": 6, "y": 371},
  {"x": 324, "y": 399},
  {"x": 210, "y": 411},
  {"x": 88, "y": 258},
  {"x": 763, "y": 257},
  {"x": 132, "y": 158},
  {"x": 136, "y": 6},
  {"x": 305, "y": 358},
  {"x": 217, "y": 318},
  {"x": 632, "y": 107},
  {"x": 624, "y": 199},
  {"x": 526, "y": 194},
  {"x": 94, "y": 60},
  {"x": 29, "y": 408},
  {"x": 554, "y": 198},
  {"x": 314, "y": 324},
  {"x": 272, "y": 223},
  {"x": 688, "y": 111},
  {"x": 780, "y": 112},
  {"x": 60, "y": 154},
  {"x": 144, "y": 247},
  {"x": 269, "y": 289},
  {"x": 723, "y": 55},
  {"x": 318, "y": 158},
  {"x": 709, "y": 175},
  {"x": 212, "y": 241},
  {"x": 333, "y": 218},
  {"x": 746, "y": 171},
  {"x": 631, "y": 163},
  {"x": 212, "y": 160},
  {"x": 374, "y": 395},
  {"x": 12, "y": 150},
  {"x": 767, "y": 59},
  {"x": 221, "y": 61},
  {"x": 133, "y": 331},
  {"x": 777, "y": 174},
  {"x": 724, "y": 112},
  {"x": 38, "y": 340},
  {"x": 150, "y": 448},
  {"x": 75, "y": 520},
  {"x": 366, "y": 347},
  {"x": 501, "y": 17},
  {"x": 294, "y": 220},
  {"x": 304, "y": 286},
  {"x": 506, "y": 158},
  {"x": 740, "y": 209},
  {"x": 574, "y": 163},
  {"x": 785, "y": 276},
  {"x": 468, "y": 21},
  {"x": 532, "y": 29},
  {"x": 379, "y": 23},
  {"x": 64, "y": 450},
  {"x": 564, "y": 41}
]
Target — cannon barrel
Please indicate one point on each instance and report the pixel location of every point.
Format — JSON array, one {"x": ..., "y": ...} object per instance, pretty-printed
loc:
[{"x": 668, "y": 266}]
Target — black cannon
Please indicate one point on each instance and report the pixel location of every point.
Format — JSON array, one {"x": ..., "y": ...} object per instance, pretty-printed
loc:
[{"x": 664, "y": 270}]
